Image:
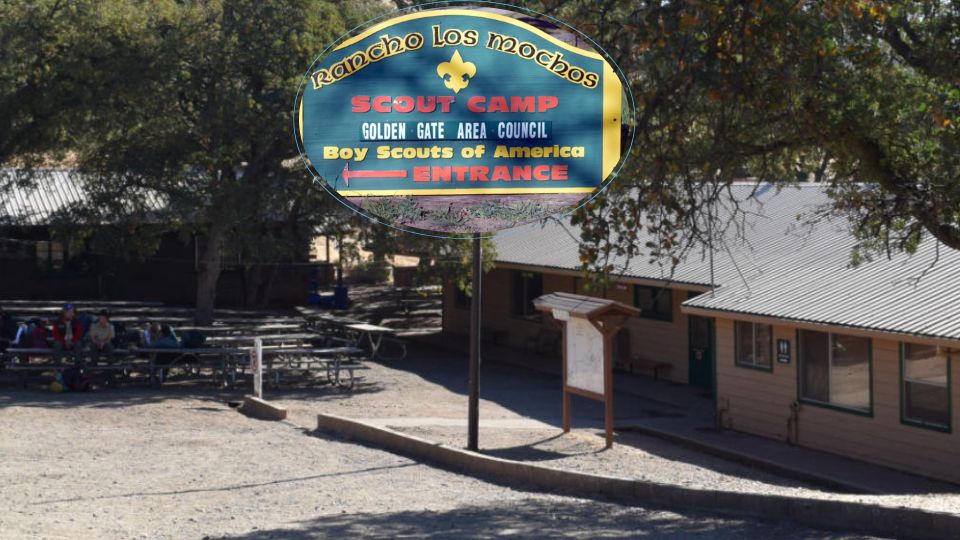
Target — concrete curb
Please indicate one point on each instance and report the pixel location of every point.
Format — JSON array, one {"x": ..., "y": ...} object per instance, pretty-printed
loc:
[
  {"x": 829, "y": 514},
  {"x": 753, "y": 461},
  {"x": 264, "y": 410}
]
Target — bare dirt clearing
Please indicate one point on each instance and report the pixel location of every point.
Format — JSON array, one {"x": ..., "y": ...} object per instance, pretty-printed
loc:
[{"x": 173, "y": 463}]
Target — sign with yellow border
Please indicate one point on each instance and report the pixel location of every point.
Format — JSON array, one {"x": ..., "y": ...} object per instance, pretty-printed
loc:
[{"x": 461, "y": 120}]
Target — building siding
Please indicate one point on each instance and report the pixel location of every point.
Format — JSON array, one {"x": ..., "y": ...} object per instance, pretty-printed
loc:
[
  {"x": 649, "y": 340},
  {"x": 168, "y": 276},
  {"x": 759, "y": 402}
]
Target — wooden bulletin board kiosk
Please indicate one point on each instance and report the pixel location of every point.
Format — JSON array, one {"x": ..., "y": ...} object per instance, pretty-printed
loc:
[{"x": 589, "y": 325}]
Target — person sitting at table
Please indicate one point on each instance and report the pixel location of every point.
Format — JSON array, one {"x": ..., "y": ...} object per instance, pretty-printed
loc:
[
  {"x": 68, "y": 337},
  {"x": 21, "y": 336},
  {"x": 151, "y": 334},
  {"x": 36, "y": 335},
  {"x": 168, "y": 339},
  {"x": 101, "y": 335}
]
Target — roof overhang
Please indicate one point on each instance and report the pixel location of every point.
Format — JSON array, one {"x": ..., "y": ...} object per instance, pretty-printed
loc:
[
  {"x": 650, "y": 282},
  {"x": 822, "y": 326}
]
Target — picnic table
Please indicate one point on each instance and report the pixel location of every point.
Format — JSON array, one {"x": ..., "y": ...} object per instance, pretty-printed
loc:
[
  {"x": 144, "y": 359},
  {"x": 194, "y": 356},
  {"x": 375, "y": 334},
  {"x": 224, "y": 362},
  {"x": 266, "y": 338},
  {"x": 19, "y": 359},
  {"x": 249, "y": 330},
  {"x": 285, "y": 359}
]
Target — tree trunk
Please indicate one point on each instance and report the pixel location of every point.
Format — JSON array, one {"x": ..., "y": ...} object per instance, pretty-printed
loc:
[
  {"x": 208, "y": 273},
  {"x": 265, "y": 285}
]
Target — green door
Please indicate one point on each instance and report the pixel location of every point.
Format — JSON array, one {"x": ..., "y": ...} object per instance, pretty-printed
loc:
[{"x": 701, "y": 351}]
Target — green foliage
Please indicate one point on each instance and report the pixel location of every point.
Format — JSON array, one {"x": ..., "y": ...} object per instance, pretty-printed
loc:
[
  {"x": 41, "y": 95},
  {"x": 190, "y": 101},
  {"x": 839, "y": 91},
  {"x": 186, "y": 103}
]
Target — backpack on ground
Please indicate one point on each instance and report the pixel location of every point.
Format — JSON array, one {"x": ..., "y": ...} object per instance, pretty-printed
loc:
[{"x": 75, "y": 380}]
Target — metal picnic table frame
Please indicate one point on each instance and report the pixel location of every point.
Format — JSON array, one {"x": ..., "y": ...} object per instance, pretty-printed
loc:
[
  {"x": 332, "y": 359},
  {"x": 375, "y": 334},
  {"x": 130, "y": 359}
]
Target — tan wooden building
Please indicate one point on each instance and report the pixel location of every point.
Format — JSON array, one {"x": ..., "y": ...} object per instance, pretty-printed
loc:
[{"x": 792, "y": 342}]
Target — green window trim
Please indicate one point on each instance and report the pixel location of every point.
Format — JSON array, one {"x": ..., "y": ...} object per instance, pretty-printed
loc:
[
  {"x": 948, "y": 428},
  {"x": 736, "y": 348},
  {"x": 826, "y": 405}
]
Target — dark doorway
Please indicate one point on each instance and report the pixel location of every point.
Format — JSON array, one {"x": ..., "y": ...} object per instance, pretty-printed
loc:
[{"x": 701, "y": 331}]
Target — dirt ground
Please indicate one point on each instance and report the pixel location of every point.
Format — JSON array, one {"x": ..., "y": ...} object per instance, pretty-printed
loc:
[
  {"x": 425, "y": 396},
  {"x": 143, "y": 463}
]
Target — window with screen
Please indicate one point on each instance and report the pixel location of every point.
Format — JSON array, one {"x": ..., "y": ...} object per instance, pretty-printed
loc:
[
  {"x": 925, "y": 377},
  {"x": 835, "y": 370},
  {"x": 754, "y": 345},
  {"x": 653, "y": 302}
]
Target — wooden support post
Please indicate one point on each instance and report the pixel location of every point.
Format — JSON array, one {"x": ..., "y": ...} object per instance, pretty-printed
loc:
[{"x": 608, "y": 387}]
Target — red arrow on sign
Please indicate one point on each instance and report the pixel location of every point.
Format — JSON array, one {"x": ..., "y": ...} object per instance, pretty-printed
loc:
[{"x": 347, "y": 174}]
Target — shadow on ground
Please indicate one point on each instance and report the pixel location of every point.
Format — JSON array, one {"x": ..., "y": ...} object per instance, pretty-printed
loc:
[
  {"x": 536, "y": 518},
  {"x": 134, "y": 395}
]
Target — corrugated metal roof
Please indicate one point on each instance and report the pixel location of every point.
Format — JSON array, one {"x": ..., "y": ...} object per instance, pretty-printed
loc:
[
  {"x": 772, "y": 232},
  {"x": 783, "y": 268},
  {"x": 34, "y": 198}
]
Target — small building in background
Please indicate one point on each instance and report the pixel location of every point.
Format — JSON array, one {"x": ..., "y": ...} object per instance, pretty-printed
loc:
[
  {"x": 44, "y": 255},
  {"x": 790, "y": 340}
]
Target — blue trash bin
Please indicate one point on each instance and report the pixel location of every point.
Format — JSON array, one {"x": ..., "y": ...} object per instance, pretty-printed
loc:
[{"x": 340, "y": 299}]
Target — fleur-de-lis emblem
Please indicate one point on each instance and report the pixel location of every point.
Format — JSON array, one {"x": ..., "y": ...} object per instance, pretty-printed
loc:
[{"x": 456, "y": 73}]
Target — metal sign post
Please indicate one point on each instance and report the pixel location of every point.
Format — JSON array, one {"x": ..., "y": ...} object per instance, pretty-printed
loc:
[
  {"x": 496, "y": 117},
  {"x": 256, "y": 367},
  {"x": 473, "y": 407}
]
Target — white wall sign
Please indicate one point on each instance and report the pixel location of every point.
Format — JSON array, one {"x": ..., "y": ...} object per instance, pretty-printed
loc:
[{"x": 584, "y": 356}]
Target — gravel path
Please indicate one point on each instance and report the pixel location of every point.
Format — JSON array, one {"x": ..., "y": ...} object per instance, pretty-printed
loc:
[
  {"x": 425, "y": 396},
  {"x": 139, "y": 463}
]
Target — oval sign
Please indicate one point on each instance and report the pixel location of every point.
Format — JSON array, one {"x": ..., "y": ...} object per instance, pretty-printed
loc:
[{"x": 461, "y": 120}]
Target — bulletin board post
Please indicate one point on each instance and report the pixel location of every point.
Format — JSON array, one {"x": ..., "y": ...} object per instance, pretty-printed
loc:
[{"x": 588, "y": 327}]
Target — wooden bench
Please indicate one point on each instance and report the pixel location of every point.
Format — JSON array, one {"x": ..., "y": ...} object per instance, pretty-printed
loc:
[
  {"x": 653, "y": 366},
  {"x": 18, "y": 360},
  {"x": 132, "y": 359}
]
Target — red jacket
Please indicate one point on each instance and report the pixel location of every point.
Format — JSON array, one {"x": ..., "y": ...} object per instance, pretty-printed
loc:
[{"x": 60, "y": 331}]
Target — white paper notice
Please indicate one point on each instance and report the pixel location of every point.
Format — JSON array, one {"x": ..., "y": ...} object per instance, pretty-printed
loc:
[{"x": 584, "y": 356}]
